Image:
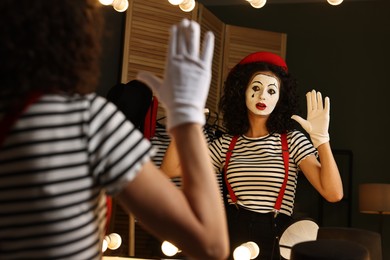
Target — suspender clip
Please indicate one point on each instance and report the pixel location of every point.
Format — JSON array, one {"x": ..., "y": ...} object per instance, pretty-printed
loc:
[{"x": 276, "y": 212}]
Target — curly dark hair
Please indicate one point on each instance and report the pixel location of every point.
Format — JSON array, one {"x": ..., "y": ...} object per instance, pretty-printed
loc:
[
  {"x": 53, "y": 46},
  {"x": 233, "y": 105}
]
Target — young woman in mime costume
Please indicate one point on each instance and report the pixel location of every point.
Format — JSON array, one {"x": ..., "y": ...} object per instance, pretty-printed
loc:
[{"x": 259, "y": 104}]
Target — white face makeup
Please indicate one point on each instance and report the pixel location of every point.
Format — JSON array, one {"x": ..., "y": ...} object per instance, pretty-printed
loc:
[{"x": 262, "y": 93}]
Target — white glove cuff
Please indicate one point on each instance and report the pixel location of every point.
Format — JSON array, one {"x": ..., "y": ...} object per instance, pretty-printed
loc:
[
  {"x": 185, "y": 115},
  {"x": 319, "y": 139}
]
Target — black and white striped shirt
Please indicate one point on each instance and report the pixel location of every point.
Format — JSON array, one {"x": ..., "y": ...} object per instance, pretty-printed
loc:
[
  {"x": 160, "y": 142},
  {"x": 60, "y": 159},
  {"x": 256, "y": 169}
]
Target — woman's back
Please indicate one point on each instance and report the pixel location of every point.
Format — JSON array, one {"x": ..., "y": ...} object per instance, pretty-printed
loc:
[{"x": 54, "y": 164}]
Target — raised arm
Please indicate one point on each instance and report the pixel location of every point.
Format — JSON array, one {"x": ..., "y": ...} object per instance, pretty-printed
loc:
[
  {"x": 192, "y": 218},
  {"x": 170, "y": 164},
  {"x": 324, "y": 176}
]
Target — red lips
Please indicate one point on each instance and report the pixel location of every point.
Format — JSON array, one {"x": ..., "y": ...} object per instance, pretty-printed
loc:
[{"x": 261, "y": 106}]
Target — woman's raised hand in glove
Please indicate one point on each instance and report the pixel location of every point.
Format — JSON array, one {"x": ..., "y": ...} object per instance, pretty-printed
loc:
[
  {"x": 184, "y": 89},
  {"x": 317, "y": 122}
]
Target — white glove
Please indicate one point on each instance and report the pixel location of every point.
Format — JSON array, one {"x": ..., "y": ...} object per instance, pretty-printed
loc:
[
  {"x": 185, "y": 87},
  {"x": 317, "y": 123}
]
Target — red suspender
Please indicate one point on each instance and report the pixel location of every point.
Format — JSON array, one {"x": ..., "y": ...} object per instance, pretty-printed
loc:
[
  {"x": 228, "y": 154},
  {"x": 150, "y": 119},
  {"x": 279, "y": 200}
]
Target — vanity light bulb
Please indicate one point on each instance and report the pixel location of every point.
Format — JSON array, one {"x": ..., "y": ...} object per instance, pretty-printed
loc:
[
  {"x": 335, "y": 2},
  {"x": 187, "y": 5},
  {"x": 106, "y": 2},
  {"x": 258, "y": 3},
  {"x": 246, "y": 251},
  {"x": 175, "y": 2},
  {"x": 120, "y": 5},
  {"x": 104, "y": 245},
  {"x": 169, "y": 249},
  {"x": 241, "y": 253},
  {"x": 113, "y": 240}
]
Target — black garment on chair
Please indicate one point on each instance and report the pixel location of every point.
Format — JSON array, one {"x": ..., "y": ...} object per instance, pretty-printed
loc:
[
  {"x": 133, "y": 99},
  {"x": 369, "y": 239},
  {"x": 329, "y": 249}
]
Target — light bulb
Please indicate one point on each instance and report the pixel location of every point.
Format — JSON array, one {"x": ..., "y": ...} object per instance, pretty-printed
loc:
[
  {"x": 104, "y": 245},
  {"x": 335, "y": 2},
  {"x": 106, "y": 2},
  {"x": 241, "y": 253},
  {"x": 113, "y": 240},
  {"x": 120, "y": 5},
  {"x": 175, "y": 2},
  {"x": 258, "y": 3},
  {"x": 253, "y": 248},
  {"x": 246, "y": 251},
  {"x": 169, "y": 249},
  {"x": 187, "y": 5}
]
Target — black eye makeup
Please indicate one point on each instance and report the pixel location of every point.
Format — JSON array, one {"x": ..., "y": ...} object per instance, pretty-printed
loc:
[
  {"x": 272, "y": 88},
  {"x": 257, "y": 85}
]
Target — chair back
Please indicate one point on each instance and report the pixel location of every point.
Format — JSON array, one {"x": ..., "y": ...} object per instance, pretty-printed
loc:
[
  {"x": 369, "y": 239},
  {"x": 329, "y": 249}
]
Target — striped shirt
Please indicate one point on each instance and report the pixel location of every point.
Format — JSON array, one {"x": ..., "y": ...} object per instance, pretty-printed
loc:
[
  {"x": 58, "y": 162},
  {"x": 256, "y": 170},
  {"x": 160, "y": 142}
]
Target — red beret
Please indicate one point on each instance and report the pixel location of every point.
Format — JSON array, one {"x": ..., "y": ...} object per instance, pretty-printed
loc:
[{"x": 266, "y": 57}]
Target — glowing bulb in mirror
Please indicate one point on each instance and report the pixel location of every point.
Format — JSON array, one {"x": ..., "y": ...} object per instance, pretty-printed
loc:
[
  {"x": 169, "y": 249},
  {"x": 246, "y": 251},
  {"x": 120, "y": 5},
  {"x": 187, "y": 5},
  {"x": 104, "y": 245},
  {"x": 113, "y": 241},
  {"x": 241, "y": 253},
  {"x": 258, "y": 3},
  {"x": 335, "y": 2},
  {"x": 175, "y": 2},
  {"x": 106, "y": 2}
]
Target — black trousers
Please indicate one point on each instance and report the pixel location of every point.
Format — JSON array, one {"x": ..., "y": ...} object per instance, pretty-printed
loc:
[{"x": 263, "y": 229}]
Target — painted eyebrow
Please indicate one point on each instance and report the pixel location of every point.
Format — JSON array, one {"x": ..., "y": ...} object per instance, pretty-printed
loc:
[
  {"x": 272, "y": 84},
  {"x": 257, "y": 82}
]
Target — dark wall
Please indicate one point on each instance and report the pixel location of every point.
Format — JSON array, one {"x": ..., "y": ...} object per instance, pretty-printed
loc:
[
  {"x": 342, "y": 51},
  {"x": 111, "y": 60}
]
